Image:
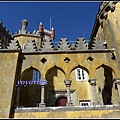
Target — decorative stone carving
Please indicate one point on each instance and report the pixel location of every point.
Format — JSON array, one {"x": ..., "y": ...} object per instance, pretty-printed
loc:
[
  {"x": 63, "y": 44},
  {"x": 98, "y": 44},
  {"x": 67, "y": 82},
  {"x": 66, "y": 59},
  {"x": 81, "y": 44},
  {"x": 43, "y": 60},
  {"x": 72, "y": 47},
  {"x": 47, "y": 45},
  {"x": 30, "y": 46},
  {"x": 104, "y": 8},
  {"x": 14, "y": 44},
  {"x": 90, "y": 58}
]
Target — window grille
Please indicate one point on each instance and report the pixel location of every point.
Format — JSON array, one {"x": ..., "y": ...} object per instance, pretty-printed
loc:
[{"x": 84, "y": 103}]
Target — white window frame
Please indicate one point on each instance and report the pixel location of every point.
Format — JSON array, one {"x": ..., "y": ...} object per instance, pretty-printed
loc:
[
  {"x": 81, "y": 75},
  {"x": 84, "y": 103}
]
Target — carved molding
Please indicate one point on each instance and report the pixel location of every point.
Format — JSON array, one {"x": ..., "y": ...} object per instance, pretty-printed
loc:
[
  {"x": 63, "y": 44},
  {"x": 104, "y": 8},
  {"x": 14, "y": 44},
  {"x": 47, "y": 45},
  {"x": 30, "y": 46},
  {"x": 81, "y": 44},
  {"x": 98, "y": 44}
]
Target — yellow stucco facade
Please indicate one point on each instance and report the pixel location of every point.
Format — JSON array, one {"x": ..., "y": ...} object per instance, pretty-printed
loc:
[{"x": 97, "y": 95}]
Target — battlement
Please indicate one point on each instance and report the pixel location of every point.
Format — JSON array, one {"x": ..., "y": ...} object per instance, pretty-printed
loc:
[
  {"x": 5, "y": 32},
  {"x": 63, "y": 45}
]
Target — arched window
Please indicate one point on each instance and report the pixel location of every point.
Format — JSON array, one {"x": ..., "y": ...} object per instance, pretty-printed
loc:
[
  {"x": 81, "y": 74},
  {"x": 36, "y": 75}
]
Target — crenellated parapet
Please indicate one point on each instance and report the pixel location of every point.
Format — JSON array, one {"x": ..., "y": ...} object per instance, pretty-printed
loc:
[
  {"x": 47, "y": 45},
  {"x": 81, "y": 44},
  {"x": 98, "y": 44},
  {"x": 30, "y": 46},
  {"x": 105, "y": 6},
  {"x": 14, "y": 45},
  {"x": 4, "y": 32},
  {"x": 63, "y": 44}
]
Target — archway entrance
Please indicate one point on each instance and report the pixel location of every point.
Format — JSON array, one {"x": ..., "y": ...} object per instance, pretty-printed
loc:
[{"x": 61, "y": 101}]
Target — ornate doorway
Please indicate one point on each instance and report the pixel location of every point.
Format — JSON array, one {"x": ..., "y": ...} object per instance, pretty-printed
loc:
[{"x": 61, "y": 101}]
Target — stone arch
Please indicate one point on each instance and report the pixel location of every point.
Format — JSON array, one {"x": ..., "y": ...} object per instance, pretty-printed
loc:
[
  {"x": 79, "y": 66},
  {"x": 29, "y": 94},
  {"x": 26, "y": 70},
  {"x": 105, "y": 66},
  {"x": 81, "y": 85},
  {"x": 53, "y": 67},
  {"x": 103, "y": 74},
  {"x": 55, "y": 77},
  {"x": 73, "y": 75}
]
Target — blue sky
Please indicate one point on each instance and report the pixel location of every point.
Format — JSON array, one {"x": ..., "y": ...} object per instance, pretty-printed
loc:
[{"x": 70, "y": 19}]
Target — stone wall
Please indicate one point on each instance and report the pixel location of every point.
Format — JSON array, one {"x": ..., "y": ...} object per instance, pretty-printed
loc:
[
  {"x": 8, "y": 66},
  {"x": 69, "y": 112}
]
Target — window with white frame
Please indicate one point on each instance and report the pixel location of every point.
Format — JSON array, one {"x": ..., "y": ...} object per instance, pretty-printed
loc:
[
  {"x": 36, "y": 75},
  {"x": 81, "y": 74},
  {"x": 84, "y": 103}
]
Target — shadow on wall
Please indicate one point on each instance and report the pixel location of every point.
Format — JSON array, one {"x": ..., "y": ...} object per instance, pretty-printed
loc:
[
  {"x": 49, "y": 90},
  {"x": 30, "y": 94},
  {"x": 105, "y": 84},
  {"x": 54, "y": 81},
  {"x": 107, "y": 90}
]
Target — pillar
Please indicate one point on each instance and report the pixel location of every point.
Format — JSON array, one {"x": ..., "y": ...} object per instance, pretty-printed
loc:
[
  {"x": 68, "y": 83},
  {"x": 117, "y": 82},
  {"x": 93, "y": 85},
  {"x": 42, "y": 104}
]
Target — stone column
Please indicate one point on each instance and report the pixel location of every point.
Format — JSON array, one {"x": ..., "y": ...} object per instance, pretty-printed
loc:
[
  {"x": 93, "y": 85},
  {"x": 68, "y": 83},
  {"x": 117, "y": 81},
  {"x": 17, "y": 97},
  {"x": 42, "y": 104}
]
